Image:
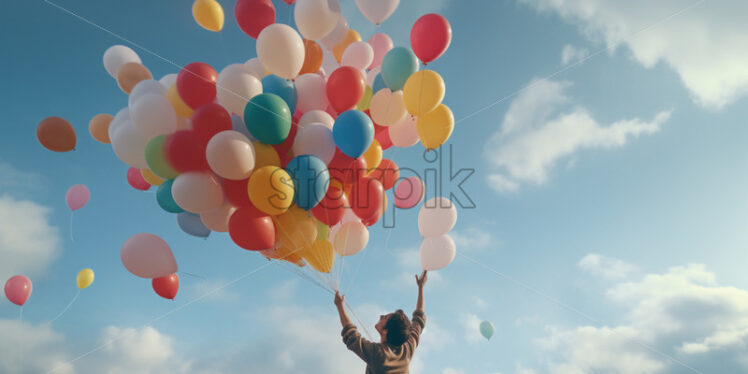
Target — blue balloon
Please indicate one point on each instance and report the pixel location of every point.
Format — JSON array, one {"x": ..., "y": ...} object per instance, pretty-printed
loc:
[
  {"x": 378, "y": 83},
  {"x": 353, "y": 132},
  {"x": 165, "y": 198},
  {"x": 192, "y": 224},
  {"x": 397, "y": 66},
  {"x": 310, "y": 180},
  {"x": 284, "y": 88}
]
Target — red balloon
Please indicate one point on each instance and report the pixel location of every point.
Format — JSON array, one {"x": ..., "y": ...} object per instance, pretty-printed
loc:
[
  {"x": 367, "y": 199},
  {"x": 285, "y": 147},
  {"x": 382, "y": 134},
  {"x": 251, "y": 229},
  {"x": 332, "y": 207},
  {"x": 210, "y": 119},
  {"x": 387, "y": 173},
  {"x": 166, "y": 286},
  {"x": 236, "y": 192},
  {"x": 346, "y": 169},
  {"x": 345, "y": 88},
  {"x": 185, "y": 152},
  {"x": 196, "y": 84},
  {"x": 254, "y": 15},
  {"x": 430, "y": 37},
  {"x": 289, "y": 2},
  {"x": 136, "y": 180}
]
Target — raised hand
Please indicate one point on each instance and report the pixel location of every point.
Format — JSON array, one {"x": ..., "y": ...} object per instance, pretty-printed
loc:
[{"x": 421, "y": 281}]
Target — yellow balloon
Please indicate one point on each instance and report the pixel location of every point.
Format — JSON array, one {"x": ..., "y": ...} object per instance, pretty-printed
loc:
[
  {"x": 270, "y": 189},
  {"x": 151, "y": 178},
  {"x": 176, "y": 101},
  {"x": 265, "y": 155},
  {"x": 435, "y": 127},
  {"x": 85, "y": 278},
  {"x": 373, "y": 156},
  {"x": 296, "y": 232},
  {"x": 423, "y": 92},
  {"x": 351, "y": 37},
  {"x": 363, "y": 104},
  {"x": 319, "y": 255},
  {"x": 208, "y": 14}
]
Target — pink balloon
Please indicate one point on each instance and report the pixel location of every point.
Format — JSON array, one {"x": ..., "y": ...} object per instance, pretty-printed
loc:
[
  {"x": 430, "y": 37},
  {"x": 409, "y": 192},
  {"x": 77, "y": 196},
  {"x": 136, "y": 180},
  {"x": 18, "y": 289},
  {"x": 381, "y": 44},
  {"x": 148, "y": 256}
]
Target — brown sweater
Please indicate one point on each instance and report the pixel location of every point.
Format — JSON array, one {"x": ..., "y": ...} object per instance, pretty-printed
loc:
[{"x": 383, "y": 358}]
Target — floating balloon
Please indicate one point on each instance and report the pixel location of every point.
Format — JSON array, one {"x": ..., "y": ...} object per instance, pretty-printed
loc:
[
  {"x": 387, "y": 173},
  {"x": 353, "y": 132},
  {"x": 284, "y": 88},
  {"x": 423, "y": 92},
  {"x": 99, "y": 127},
  {"x": 185, "y": 152},
  {"x": 436, "y": 217},
  {"x": 231, "y": 155},
  {"x": 331, "y": 209},
  {"x": 271, "y": 190},
  {"x": 85, "y": 278},
  {"x": 382, "y": 135},
  {"x": 316, "y": 18},
  {"x": 377, "y": 11},
  {"x": 56, "y": 134},
  {"x": 155, "y": 156},
  {"x": 165, "y": 197},
  {"x": 196, "y": 84},
  {"x": 268, "y": 118},
  {"x": 430, "y": 37},
  {"x": 315, "y": 139},
  {"x": 18, "y": 289},
  {"x": 192, "y": 225},
  {"x": 148, "y": 256},
  {"x": 210, "y": 119},
  {"x": 116, "y": 56},
  {"x": 310, "y": 180},
  {"x": 182, "y": 109},
  {"x": 197, "y": 192},
  {"x": 367, "y": 199},
  {"x": 337, "y": 35},
  {"x": 409, "y": 192},
  {"x": 236, "y": 85},
  {"x": 218, "y": 220},
  {"x": 378, "y": 83},
  {"x": 486, "y": 329},
  {"x": 351, "y": 37},
  {"x": 153, "y": 115},
  {"x": 373, "y": 156},
  {"x": 346, "y": 169},
  {"x": 145, "y": 87},
  {"x": 381, "y": 44},
  {"x": 319, "y": 255},
  {"x": 312, "y": 92},
  {"x": 312, "y": 57},
  {"x": 77, "y": 196},
  {"x": 130, "y": 74},
  {"x": 397, "y": 66},
  {"x": 405, "y": 133},
  {"x": 358, "y": 55},
  {"x": 136, "y": 180},
  {"x": 254, "y": 15},
  {"x": 435, "y": 127},
  {"x": 316, "y": 116},
  {"x": 151, "y": 178},
  {"x": 345, "y": 88},
  {"x": 256, "y": 68},
  {"x": 265, "y": 155},
  {"x": 251, "y": 229},
  {"x": 387, "y": 108},
  {"x": 437, "y": 252},
  {"x": 351, "y": 238},
  {"x": 129, "y": 145},
  {"x": 166, "y": 286},
  {"x": 208, "y": 14},
  {"x": 281, "y": 50}
]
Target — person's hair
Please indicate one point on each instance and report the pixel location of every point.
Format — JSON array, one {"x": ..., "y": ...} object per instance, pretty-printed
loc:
[{"x": 398, "y": 326}]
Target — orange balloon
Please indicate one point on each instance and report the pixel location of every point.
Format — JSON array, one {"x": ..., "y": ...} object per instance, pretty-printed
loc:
[
  {"x": 338, "y": 50},
  {"x": 99, "y": 127},
  {"x": 56, "y": 134},
  {"x": 130, "y": 74},
  {"x": 312, "y": 57}
]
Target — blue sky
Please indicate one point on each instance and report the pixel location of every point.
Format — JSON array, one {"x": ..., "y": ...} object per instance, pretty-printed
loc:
[{"x": 610, "y": 193}]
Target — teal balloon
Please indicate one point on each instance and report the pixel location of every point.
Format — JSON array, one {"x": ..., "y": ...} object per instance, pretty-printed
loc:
[
  {"x": 165, "y": 198},
  {"x": 310, "y": 180},
  {"x": 397, "y": 66},
  {"x": 285, "y": 88},
  {"x": 378, "y": 83},
  {"x": 192, "y": 224},
  {"x": 353, "y": 132},
  {"x": 268, "y": 118},
  {"x": 486, "y": 329}
]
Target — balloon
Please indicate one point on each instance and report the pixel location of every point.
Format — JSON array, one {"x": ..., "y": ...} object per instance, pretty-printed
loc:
[
  {"x": 296, "y": 233},
  {"x": 365, "y": 101},
  {"x": 143, "y": 88},
  {"x": 168, "y": 80},
  {"x": 316, "y": 18},
  {"x": 255, "y": 67},
  {"x": 316, "y": 116},
  {"x": 254, "y": 15},
  {"x": 56, "y": 134},
  {"x": 430, "y": 37},
  {"x": 237, "y": 124},
  {"x": 182, "y": 109},
  {"x": 284, "y": 88},
  {"x": 423, "y": 92},
  {"x": 268, "y": 118},
  {"x": 345, "y": 88},
  {"x": 380, "y": 44},
  {"x": 436, "y": 217},
  {"x": 315, "y": 139},
  {"x": 210, "y": 119},
  {"x": 148, "y": 256},
  {"x": 136, "y": 180},
  {"x": 435, "y": 127},
  {"x": 208, "y": 14},
  {"x": 99, "y": 127},
  {"x": 271, "y": 190},
  {"x": 116, "y": 56},
  {"x": 312, "y": 94},
  {"x": 165, "y": 198},
  {"x": 252, "y": 229},
  {"x": 337, "y": 35},
  {"x": 312, "y": 57},
  {"x": 397, "y": 66},
  {"x": 323, "y": 231},
  {"x": 197, "y": 192},
  {"x": 367, "y": 199},
  {"x": 377, "y": 11},
  {"x": 155, "y": 156},
  {"x": 129, "y": 145},
  {"x": 353, "y": 132},
  {"x": 404, "y": 133},
  {"x": 196, "y": 84},
  {"x": 166, "y": 286},
  {"x": 351, "y": 238},
  {"x": 151, "y": 178},
  {"x": 371, "y": 75},
  {"x": 235, "y": 86},
  {"x": 231, "y": 155},
  {"x": 85, "y": 278},
  {"x": 265, "y": 155},
  {"x": 387, "y": 108},
  {"x": 486, "y": 329},
  {"x": 185, "y": 152},
  {"x": 437, "y": 252},
  {"x": 281, "y": 50},
  {"x": 319, "y": 255},
  {"x": 192, "y": 225},
  {"x": 310, "y": 179},
  {"x": 382, "y": 135},
  {"x": 351, "y": 37},
  {"x": 378, "y": 84},
  {"x": 331, "y": 209},
  {"x": 387, "y": 173},
  {"x": 358, "y": 54},
  {"x": 409, "y": 192},
  {"x": 218, "y": 220},
  {"x": 77, "y": 197},
  {"x": 346, "y": 169},
  {"x": 153, "y": 115},
  {"x": 236, "y": 192},
  {"x": 373, "y": 156},
  {"x": 18, "y": 289},
  {"x": 130, "y": 73}
]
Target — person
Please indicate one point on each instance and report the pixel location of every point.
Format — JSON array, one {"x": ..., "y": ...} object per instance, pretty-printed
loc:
[{"x": 398, "y": 336}]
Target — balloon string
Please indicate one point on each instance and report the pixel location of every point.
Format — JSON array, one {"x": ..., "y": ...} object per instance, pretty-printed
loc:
[
  {"x": 71, "y": 227},
  {"x": 358, "y": 320},
  {"x": 193, "y": 275},
  {"x": 67, "y": 307}
]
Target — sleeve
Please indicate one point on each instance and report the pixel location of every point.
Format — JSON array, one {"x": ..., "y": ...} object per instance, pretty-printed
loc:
[
  {"x": 358, "y": 345},
  {"x": 417, "y": 325}
]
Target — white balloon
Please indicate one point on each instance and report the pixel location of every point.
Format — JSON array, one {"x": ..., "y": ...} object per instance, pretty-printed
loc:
[
  {"x": 168, "y": 80},
  {"x": 231, "y": 155},
  {"x": 436, "y": 217},
  {"x": 316, "y": 18},
  {"x": 359, "y": 55},
  {"x": 129, "y": 145},
  {"x": 372, "y": 75},
  {"x": 337, "y": 34},
  {"x": 197, "y": 192},
  {"x": 122, "y": 117},
  {"x": 351, "y": 238},
  {"x": 256, "y": 68},
  {"x": 377, "y": 11},
  {"x": 316, "y": 116},
  {"x": 116, "y": 56},
  {"x": 405, "y": 133},
  {"x": 437, "y": 252},
  {"x": 147, "y": 86},
  {"x": 329, "y": 63},
  {"x": 236, "y": 86},
  {"x": 311, "y": 91},
  {"x": 315, "y": 139},
  {"x": 153, "y": 115},
  {"x": 281, "y": 50},
  {"x": 387, "y": 108},
  {"x": 218, "y": 220}
]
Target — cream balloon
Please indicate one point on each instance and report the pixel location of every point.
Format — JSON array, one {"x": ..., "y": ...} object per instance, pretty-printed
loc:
[
  {"x": 316, "y": 18},
  {"x": 153, "y": 115},
  {"x": 337, "y": 34},
  {"x": 359, "y": 55},
  {"x": 437, "y": 252},
  {"x": 121, "y": 118},
  {"x": 371, "y": 75},
  {"x": 311, "y": 91},
  {"x": 197, "y": 192},
  {"x": 256, "y": 68},
  {"x": 231, "y": 155},
  {"x": 387, "y": 108},
  {"x": 129, "y": 145},
  {"x": 144, "y": 87},
  {"x": 236, "y": 86},
  {"x": 281, "y": 50},
  {"x": 436, "y": 217},
  {"x": 329, "y": 63},
  {"x": 351, "y": 238},
  {"x": 377, "y": 11},
  {"x": 316, "y": 116},
  {"x": 148, "y": 256},
  {"x": 315, "y": 139},
  {"x": 168, "y": 80},
  {"x": 405, "y": 133},
  {"x": 218, "y": 220},
  {"x": 116, "y": 56},
  {"x": 381, "y": 43}
]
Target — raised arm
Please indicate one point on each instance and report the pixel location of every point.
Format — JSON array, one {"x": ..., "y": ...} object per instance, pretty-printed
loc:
[
  {"x": 421, "y": 282},
  {"x": 340, "y": 304},
  {"x": 351, "y": 337}
]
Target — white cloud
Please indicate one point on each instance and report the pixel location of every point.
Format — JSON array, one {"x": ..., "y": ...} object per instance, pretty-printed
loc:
[
  {"x": 452, "y": 371},
  {"x": 216, "y": 289},
  {"x": 471, "y": 323},
  {"x": 541, "y": 127},
  {"x": 606, "y": 267},
  {"x": 473, "y": 238},
  {"x": 409, "y": 262},
  {"x": 703, "y": 44},
  {"x": 571, "y": 54},
  {"x": 10, "y": 177},
  {"x": 26, "y": 348}
]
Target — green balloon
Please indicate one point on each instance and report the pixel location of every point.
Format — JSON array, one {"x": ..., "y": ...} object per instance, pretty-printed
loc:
[
  {"x": 268, "y": 118},
  {"x": 165, "y": 198},
  {"x": 363, "y": 104},
  {"x": 323, "y": 231},
  {"x": 486, "y": 329},
  {"x": 155, "y": 156}
]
